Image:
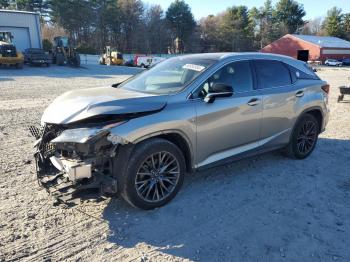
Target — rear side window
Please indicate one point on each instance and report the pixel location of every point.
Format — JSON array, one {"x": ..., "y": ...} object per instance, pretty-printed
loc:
[
  {"x": 272, "y": 73},
  {"x": 298, "y": 74}
]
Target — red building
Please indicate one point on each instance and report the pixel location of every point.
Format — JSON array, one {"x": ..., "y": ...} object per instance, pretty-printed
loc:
[{"x": 309, "y": 47}]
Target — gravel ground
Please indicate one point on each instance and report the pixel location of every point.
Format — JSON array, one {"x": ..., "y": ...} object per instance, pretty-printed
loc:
[{"x": 266, "y": 208}]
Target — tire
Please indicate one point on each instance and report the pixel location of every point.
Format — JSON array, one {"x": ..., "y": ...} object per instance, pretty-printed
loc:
[
  {"x": 301, "y": 139},
  {"x": 60, "y": 59},
  {"x": 19, "y": 65},
  {"x": 136, "y": 174},
  {"x": 76, "y": 60},
  {"x": 143, "y": 66}
]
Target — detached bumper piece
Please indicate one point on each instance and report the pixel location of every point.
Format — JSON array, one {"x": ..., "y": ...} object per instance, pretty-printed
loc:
[
  {"x": 72, "y": 192},
  {"x": 70, "y": 180}
]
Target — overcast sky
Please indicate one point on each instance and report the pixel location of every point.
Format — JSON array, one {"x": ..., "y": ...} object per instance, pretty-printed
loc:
[{"x": 202, "y": 8}]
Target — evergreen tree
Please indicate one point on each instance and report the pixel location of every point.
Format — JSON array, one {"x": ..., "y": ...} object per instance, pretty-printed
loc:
[
  {"x": 346, "y": 26},
  {"x": 180, "y": 19},
  {"x": 333, "y": 22},
  {"x": 4, "y": 4},
  {"x": 236, "y": 30},
  {"x": 155, "y": 30},
  {"x": 40, "y": 6},
  {"x": 131, "y": 12},
  {"x": 289, "y": 16}
]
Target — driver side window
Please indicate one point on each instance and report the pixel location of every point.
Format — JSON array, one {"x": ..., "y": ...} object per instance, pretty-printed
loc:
[{"x": 236, "y": 74}]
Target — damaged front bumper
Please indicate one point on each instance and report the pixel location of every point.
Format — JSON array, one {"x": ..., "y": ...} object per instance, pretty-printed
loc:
[{"x": 75, "y": 164}]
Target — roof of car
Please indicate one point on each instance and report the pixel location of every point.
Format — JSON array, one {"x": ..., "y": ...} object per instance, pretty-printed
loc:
[
  {"x": 220, "y": 56},
  {"x": 251, "y": 55}
]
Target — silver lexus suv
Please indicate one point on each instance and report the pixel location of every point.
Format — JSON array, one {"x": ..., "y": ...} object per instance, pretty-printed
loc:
[{"x": 139, "y": 138}]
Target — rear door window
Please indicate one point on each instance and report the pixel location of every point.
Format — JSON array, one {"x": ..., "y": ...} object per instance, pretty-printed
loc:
[{"x": 272, "y": 74}]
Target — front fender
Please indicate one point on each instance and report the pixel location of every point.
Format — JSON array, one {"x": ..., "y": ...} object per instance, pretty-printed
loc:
[{"x": 178, "y": 118}]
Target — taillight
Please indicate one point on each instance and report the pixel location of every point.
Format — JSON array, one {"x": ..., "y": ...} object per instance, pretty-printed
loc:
[{"x": 326, "y": 88}]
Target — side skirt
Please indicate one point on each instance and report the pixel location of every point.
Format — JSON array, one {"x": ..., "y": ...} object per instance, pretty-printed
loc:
[{"x": 244, "y": 155}]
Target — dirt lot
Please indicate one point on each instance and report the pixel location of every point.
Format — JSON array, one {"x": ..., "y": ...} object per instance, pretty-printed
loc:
[{"x": 267, "y": 208}]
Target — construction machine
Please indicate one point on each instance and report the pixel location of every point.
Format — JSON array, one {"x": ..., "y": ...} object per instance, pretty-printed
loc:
[
  {"x": 8, "y": 51},
  {"x": 111, "y": 57},
  {"x": 64, "y": 53}
]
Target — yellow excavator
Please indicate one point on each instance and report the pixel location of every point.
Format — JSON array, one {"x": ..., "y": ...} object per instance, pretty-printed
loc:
[
  {"x": 111, "y": 57},
  {"x": 8, "y": 52}
]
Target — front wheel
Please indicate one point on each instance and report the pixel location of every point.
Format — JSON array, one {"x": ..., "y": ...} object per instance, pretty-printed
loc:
[
  {"x": 304, "y": 137},
  {"x": 154, "y": 174}
]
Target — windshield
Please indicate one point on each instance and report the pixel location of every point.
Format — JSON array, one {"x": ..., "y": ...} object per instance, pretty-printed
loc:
[
  {"x": 62, "y": 41},
  {"x": 169, "y": 76},
  {"x": 5, "y": 37}
]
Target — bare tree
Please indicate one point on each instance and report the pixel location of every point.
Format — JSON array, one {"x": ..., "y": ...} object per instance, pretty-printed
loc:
[{"x": 313, "y": 27}]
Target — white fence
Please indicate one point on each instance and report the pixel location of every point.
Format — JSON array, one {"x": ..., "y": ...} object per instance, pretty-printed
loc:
[{"x": 93, "y": 59}]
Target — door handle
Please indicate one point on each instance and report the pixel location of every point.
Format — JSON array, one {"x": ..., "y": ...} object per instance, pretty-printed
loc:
[
  {"x": 299, "y": 93},
  {"x": 253, "y": 102}
]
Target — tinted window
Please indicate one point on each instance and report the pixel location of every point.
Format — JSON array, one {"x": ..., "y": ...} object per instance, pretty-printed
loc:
[
  {"x": 272, "y": 73},
  {"x": 237, "y": 74},
  {"x": 298, "y": 74}
]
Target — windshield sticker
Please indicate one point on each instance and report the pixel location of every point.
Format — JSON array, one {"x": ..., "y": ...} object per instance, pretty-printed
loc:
[{"x": 197, "y": 68}]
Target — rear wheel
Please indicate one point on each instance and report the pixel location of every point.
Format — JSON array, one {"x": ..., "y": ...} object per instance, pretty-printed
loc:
[
  {"x": 76, "y": 60},
  {"x": 154, "y": 174},
  {"x": 60, "y": 59},
  {"x": 304, "y": 137}
]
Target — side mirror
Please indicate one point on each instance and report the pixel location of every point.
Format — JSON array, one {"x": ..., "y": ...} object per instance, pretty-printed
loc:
[{"x": 218, "y": 90}]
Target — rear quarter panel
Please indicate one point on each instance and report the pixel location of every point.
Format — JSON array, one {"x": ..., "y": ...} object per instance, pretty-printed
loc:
[
  {"x": 314, "y": 98},
  {"x": 281, "y": 109}
]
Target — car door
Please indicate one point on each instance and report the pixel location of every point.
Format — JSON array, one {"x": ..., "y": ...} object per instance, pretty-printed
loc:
[
  {"x": 230, "y": 125},
  {"x": 279, "y": 95}
]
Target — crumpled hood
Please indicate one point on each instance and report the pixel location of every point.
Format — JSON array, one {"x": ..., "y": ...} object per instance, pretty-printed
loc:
[{"x": 81, "y": 104}]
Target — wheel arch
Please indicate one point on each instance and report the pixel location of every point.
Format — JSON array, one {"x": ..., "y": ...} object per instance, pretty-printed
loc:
[
  {"x": 177, "y": 138},
  {"x": 316, "y": 112}
]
